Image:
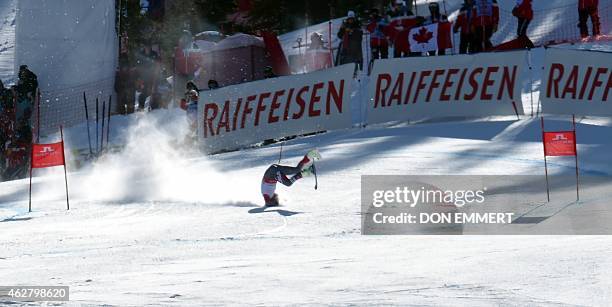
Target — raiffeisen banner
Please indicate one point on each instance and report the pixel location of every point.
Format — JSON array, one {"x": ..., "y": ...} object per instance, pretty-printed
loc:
[
  {"x": 439, "y": 86},
  {"x": 248, "y": 113},
  {"x": 577, "y": 82}
]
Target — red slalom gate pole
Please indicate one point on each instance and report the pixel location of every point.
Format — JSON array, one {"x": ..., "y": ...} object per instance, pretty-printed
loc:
[
  {"x": 576, "y": 156},
  {"x": 30, "y": 198},
  {"x": 65, "y": 173},
  {"x": 37, "y": 99},
  {"x": 545, "y": 162}
]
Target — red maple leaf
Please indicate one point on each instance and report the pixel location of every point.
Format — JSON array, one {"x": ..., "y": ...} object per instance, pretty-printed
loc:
[{"x": 423, "y": 36}]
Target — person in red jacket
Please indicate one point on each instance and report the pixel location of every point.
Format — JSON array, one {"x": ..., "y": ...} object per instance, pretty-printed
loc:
[
  {"x": 378, "y": 39},
  {"x": 398, "y": 30},
  {"x": 588, "y": 8},
  {"x": 435, "y": 16},
  {"x": 464, "y": 24},
  {"x": 485, "y": 19},
  {"x": 524, "y": 14}
]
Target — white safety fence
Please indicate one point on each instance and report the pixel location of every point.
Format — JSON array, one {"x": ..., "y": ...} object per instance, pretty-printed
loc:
[
  {"x": 481, "y": 85},
  {"x": 66, "y": 106}
]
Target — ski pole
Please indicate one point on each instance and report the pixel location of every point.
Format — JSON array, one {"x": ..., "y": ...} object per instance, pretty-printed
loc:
[
  {"x": 103, "y": 118},
  {"x": 97, "y": 151},
  {"x": 87, "y": 120},
  {"x": 110, "y": 99},
  {"x": 280, "y": 154}
]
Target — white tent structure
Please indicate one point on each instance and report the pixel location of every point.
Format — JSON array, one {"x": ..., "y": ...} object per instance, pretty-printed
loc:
[
  {"x": 7, "y": 40},
  {"x": 71, "y": 45}
]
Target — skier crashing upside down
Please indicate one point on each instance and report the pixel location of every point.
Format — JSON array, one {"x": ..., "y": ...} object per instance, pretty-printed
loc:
[{"x": 278, "y": 173}]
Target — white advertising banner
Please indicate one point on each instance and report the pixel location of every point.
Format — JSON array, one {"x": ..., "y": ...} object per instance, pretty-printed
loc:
[
  {"x": 577, "y": 82},
  {"x": 247, "y": 113},
  {"x": 485, "y": 84}
]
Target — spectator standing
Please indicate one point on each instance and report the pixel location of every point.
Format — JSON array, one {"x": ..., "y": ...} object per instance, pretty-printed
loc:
[
  {"x": 26, "y": 88},
  {"x": 463, "y": 24},
  {"x": 351, "y": 35},
  {"x": 140, "y": 96},
  {"x": 484, "y": 22},
  {"x": 124, "y": 88},
  {"x": 28, "y": 82},
  {"x": 147, "y": 65},
  {"x": 398, "y": 31},
  {"x": 398, "y": 9},
  {"x": 161, "y": 90},
  {"x": 6, "y": 123},
  {"x": 378, "y": 39},
  {"x": 434, "y": 14},
  {"x": 268, "y": 73},
  {"x": 316, "y": 42},
  {"x": 192, "y": 108},
  {"x": 19, "y": 145},
  {"x": 436, "y": 17},
  {"x": 191, "y": 86},
  {"x": 586, "y": 9},
  {"x": 524, "y": 14},
  {"x": 213, "y": 84}
]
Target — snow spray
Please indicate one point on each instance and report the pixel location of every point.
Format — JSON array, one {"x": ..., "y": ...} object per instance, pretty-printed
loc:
[{"x": 156, "y": 165}]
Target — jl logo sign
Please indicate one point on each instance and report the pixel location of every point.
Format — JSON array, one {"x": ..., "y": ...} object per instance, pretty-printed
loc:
[{"x": 47, "y": 149}]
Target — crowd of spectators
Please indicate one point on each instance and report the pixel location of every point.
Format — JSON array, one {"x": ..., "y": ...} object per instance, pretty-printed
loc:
[
  {"x": 142, "y": 83},
  {"x": 476, "y": 23},
  {"x": 17, "y": 105}
]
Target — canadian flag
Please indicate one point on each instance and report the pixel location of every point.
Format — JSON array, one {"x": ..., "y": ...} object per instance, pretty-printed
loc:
[{"x": 424, "y": 38}]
